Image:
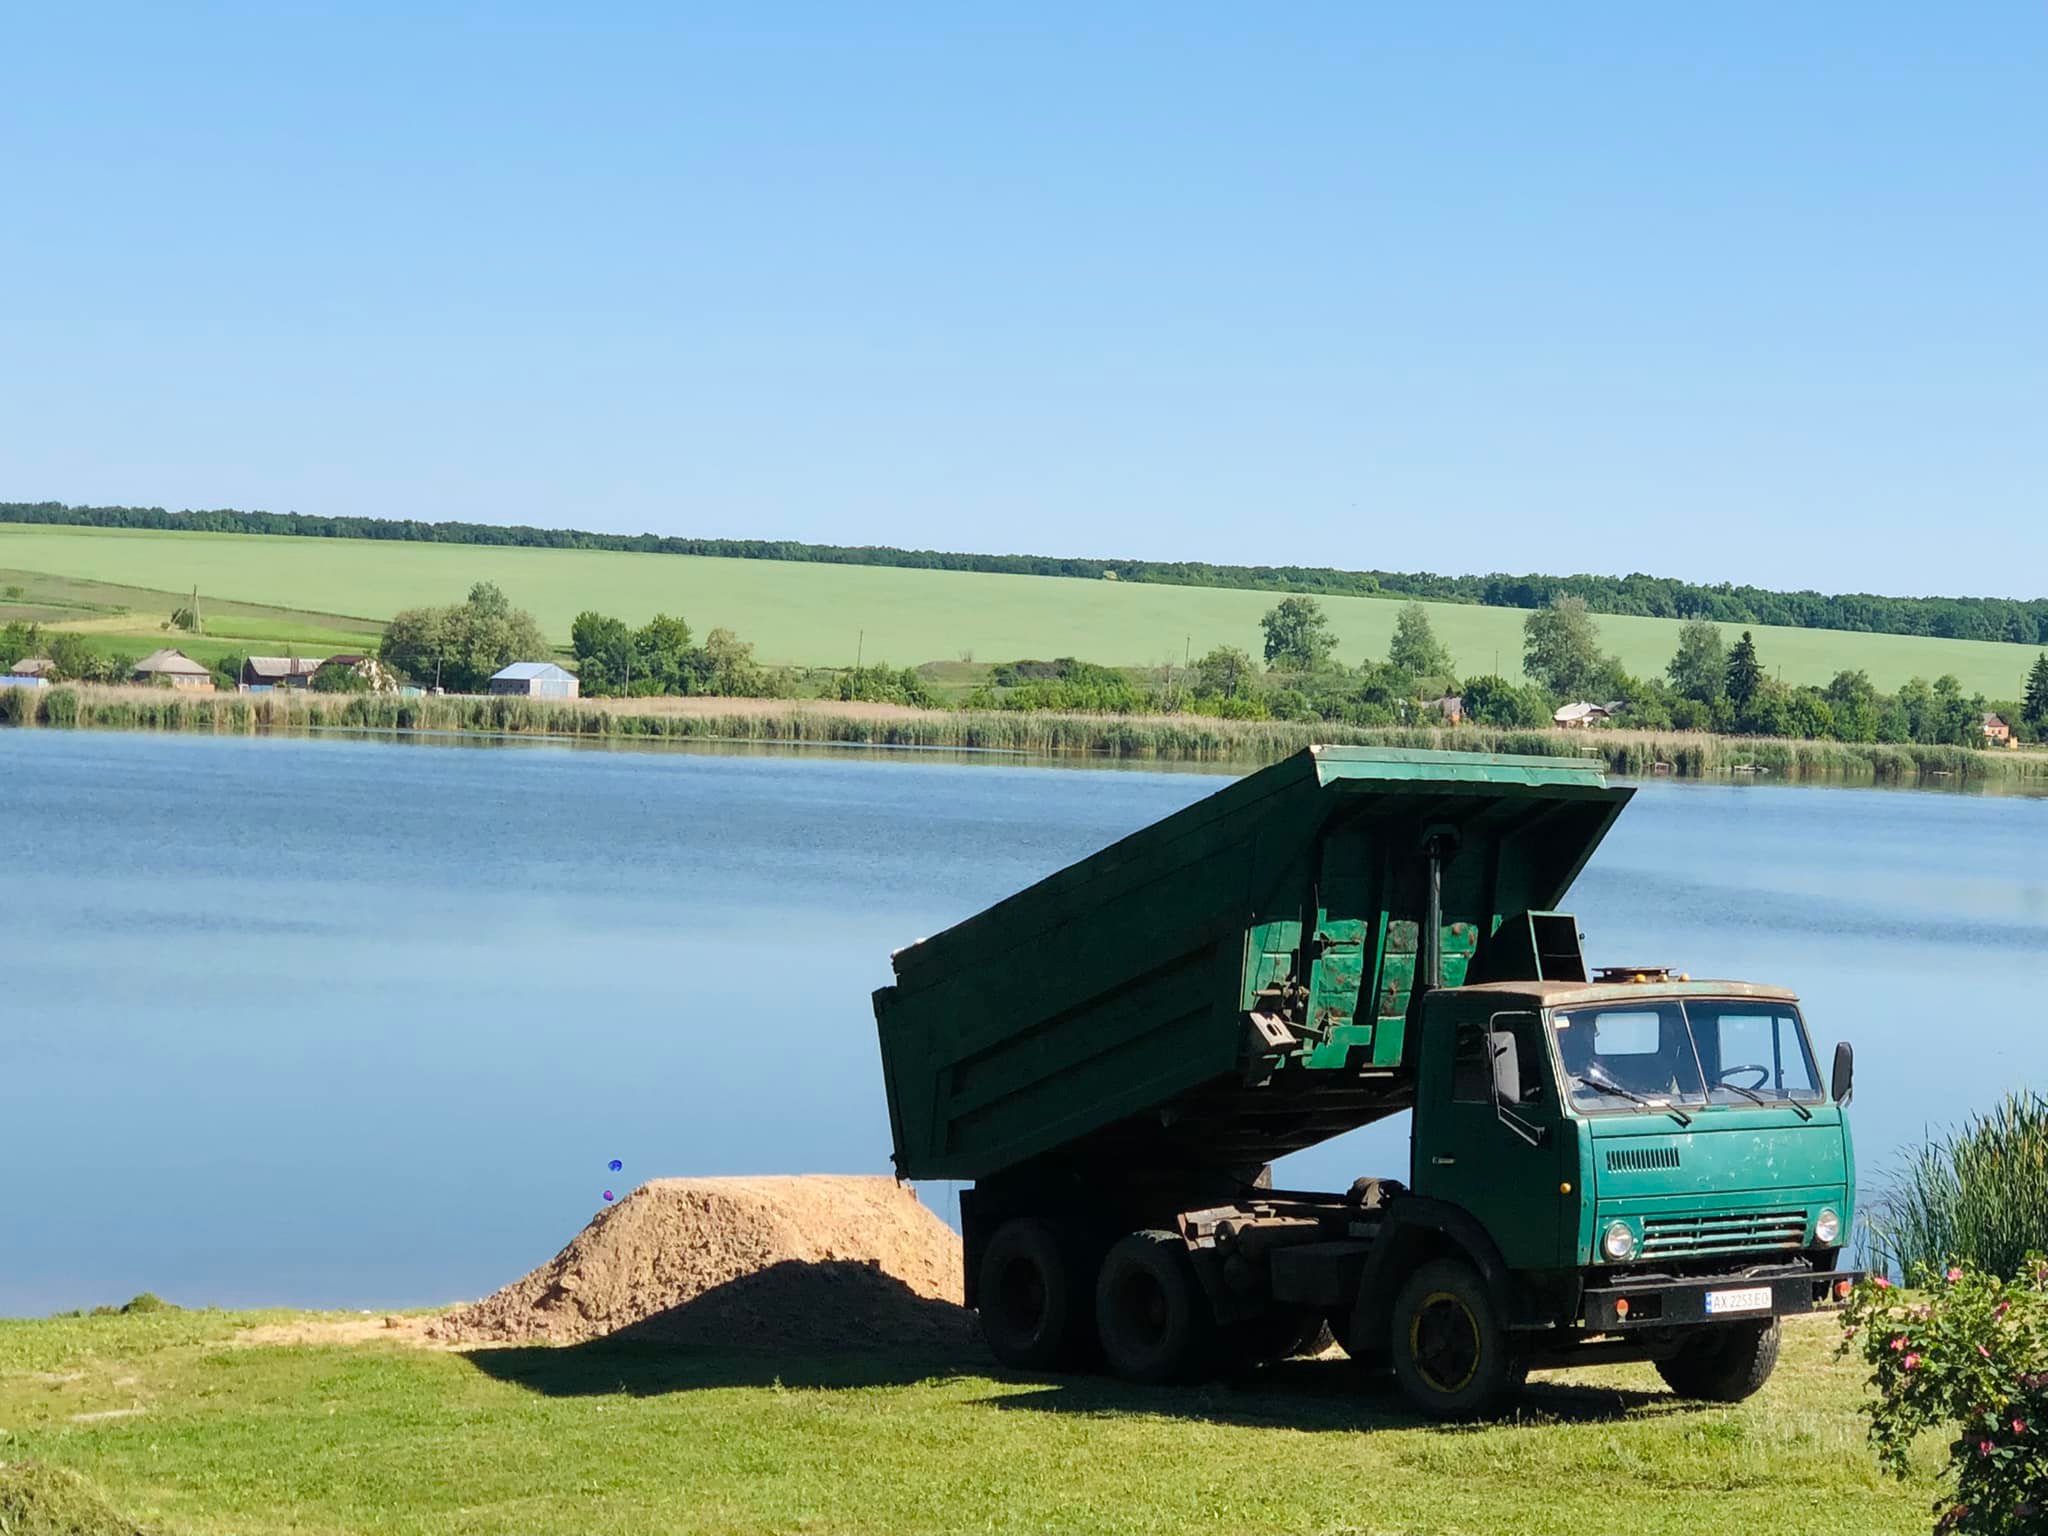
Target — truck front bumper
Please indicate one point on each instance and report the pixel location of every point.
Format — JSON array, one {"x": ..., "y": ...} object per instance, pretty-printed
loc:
[{"x": 1662, "y": 1301}]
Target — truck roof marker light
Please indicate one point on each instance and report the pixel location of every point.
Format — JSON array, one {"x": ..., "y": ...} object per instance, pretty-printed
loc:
[
  {"x": 1565, "y": 1188},
  {"x": 1842, "y": 1289},
  {"x": 1621, "y": 1307}
]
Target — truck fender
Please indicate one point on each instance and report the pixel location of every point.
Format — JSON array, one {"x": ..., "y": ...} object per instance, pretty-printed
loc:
[{"x": 1417, "y": 1228}]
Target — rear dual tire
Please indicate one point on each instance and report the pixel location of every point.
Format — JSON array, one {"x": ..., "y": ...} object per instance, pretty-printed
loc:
[
  {"x": 1151, "y": 1314},
  {"x": 1034, "y": 1311}
]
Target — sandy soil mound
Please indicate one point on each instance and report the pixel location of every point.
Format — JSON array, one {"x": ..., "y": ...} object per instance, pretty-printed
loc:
[{"x": 745, "y": 1263}]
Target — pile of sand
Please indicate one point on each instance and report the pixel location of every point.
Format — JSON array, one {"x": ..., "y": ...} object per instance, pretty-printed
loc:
[{"x": 818, "y": 1262}]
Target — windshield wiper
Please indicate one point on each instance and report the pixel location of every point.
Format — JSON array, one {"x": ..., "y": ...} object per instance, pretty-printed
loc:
[
  {"x": 1751, "y": 1093},
  {"x": 1606, "y": 1084}
]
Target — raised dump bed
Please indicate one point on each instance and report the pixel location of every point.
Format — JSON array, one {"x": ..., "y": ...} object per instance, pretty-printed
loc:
[{"x": 1239, "y": 980}]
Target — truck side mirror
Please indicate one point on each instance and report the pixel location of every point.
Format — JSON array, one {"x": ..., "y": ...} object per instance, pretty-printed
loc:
[
  {"x": 1507, "y": 1068},
  {"x": 1843, "y": 1084}
]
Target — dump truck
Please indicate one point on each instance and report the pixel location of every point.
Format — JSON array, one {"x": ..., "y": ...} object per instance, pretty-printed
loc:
[{"x": 1615, "y": 1165}]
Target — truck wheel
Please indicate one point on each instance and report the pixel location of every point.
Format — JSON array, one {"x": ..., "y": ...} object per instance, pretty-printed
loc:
[
  {"x": 1725, "y": 1364},
  {"x": 1025, "y": 1295},
  {"x": 1150, "y": 1311},
  {"x": 1449, "y": 1349}
]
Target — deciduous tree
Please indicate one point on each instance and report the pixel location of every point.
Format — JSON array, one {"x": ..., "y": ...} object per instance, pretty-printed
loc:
[
  {"x": 1561, "y": 648},
  {"x": 1699, "y": 669},
  {"x": 1226, "y": 672},
  {"x": 1415, "y": 648},
  {"x": 1298, "y": 635}
]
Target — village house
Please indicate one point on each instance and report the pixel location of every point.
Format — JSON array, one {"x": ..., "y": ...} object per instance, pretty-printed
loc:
[
  {"x": 1998, "y": 731},
  {"x": 175, "y": 669},
  {"x": 535, "y": 680},
  {"x": 34, "y": 666},
  {"x": 262, "y": 673}
]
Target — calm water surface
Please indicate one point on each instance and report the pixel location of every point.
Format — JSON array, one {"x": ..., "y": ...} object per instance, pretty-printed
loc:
[{"x": 342, "y": 1023}]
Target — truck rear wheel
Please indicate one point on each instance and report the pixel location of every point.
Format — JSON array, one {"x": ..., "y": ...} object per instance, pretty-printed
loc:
[
  {"x": 1025, "y": 1293},
  {"x": 1725, "y": 1364},
  {"x": 1150, "y": 1311},
  {"x": 1449, "y": 1349}
]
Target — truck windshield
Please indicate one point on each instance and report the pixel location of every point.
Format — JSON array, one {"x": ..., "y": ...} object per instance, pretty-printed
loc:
[{"x": 1629, "y": 1055}]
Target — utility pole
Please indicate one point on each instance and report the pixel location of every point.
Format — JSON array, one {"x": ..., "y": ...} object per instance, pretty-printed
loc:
[{"x": 859, "y": 649}]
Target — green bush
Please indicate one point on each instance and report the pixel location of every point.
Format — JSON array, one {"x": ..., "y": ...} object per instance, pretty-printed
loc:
[{"x": 1967, "y": 1354}]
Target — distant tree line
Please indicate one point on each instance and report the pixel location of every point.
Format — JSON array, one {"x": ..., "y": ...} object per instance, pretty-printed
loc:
[
  {"x": 1707, "y": 685},
  {"x": 2023, "y": 622}
]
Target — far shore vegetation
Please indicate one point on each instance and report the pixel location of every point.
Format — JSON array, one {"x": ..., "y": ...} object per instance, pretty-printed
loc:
[{"x": 1714, "y": 708}]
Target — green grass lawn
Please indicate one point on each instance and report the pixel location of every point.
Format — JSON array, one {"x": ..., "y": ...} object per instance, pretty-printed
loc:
[
  {"x": 184, "y": 1431},
  {"x": 817, "y": 615}
]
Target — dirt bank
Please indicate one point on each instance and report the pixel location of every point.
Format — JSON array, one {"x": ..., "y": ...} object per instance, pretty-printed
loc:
[{"x": 741, "y": 1263}]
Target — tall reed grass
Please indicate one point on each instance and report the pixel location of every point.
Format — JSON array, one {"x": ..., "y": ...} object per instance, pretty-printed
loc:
[
  {"x": 1978, "y": 1195},
  {"x": 1184, "y": 738}
]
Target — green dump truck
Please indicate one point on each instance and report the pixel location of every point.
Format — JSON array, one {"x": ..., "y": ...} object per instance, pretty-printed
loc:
[{"x": 1616, "y": 1165}]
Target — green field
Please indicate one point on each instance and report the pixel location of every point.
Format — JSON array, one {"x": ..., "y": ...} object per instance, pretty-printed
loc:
[
  {"x": 186, "y": 1432},
  {"x": 118, "y": 617},
  {"x": 817, "y": 615}
]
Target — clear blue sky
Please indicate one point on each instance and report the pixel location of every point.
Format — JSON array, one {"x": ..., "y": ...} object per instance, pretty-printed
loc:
[{"x": 1726, "y": 292}]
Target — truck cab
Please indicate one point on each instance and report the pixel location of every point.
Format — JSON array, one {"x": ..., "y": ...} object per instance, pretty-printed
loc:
[{"x": 1642, "y": 1156}]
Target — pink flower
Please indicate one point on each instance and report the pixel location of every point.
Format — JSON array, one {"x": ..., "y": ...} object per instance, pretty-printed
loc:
[
  {"x": 2002, "y": 1308},
  {"x": 1912, "y": 1362},
  {"x": 1881, "y": 1283},
  {"x": 2019, "y": 1426},
  {"x": 1983, "y": 1351},
  {"x": 1983, "y": 1448},
  {"x": 1899, "y": 1342},
  {"x": 1954, "y": 1274}
]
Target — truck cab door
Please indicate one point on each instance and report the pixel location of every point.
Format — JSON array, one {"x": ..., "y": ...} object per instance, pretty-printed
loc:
[{"x": 1486, "y": 1131}]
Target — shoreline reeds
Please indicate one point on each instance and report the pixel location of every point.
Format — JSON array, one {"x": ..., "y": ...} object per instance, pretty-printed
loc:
[{"x": 1180, "y": 739}]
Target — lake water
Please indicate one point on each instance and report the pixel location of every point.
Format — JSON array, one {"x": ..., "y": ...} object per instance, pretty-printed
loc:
[{"x": 349, "y": 1023}]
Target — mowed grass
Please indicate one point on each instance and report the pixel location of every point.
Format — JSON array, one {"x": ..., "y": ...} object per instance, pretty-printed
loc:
[
  {"x": 825, "y": 615},
  {"x": 186, "y": 1431}
]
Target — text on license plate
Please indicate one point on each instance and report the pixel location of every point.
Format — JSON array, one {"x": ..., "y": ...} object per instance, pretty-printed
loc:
[{"x": 1756, "y": 1298}]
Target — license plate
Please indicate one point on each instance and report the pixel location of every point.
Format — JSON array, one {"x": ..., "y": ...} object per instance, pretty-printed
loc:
[{"x": 1756, "y": 1298}]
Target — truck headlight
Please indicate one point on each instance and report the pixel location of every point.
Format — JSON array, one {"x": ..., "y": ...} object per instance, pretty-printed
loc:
[
  {"x": 1619, "y": 1241},
  {"x": 1827, "y": 1226}
]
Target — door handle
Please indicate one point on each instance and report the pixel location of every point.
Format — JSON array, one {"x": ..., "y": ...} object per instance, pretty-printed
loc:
[{"x": 1443, "y": 1162}]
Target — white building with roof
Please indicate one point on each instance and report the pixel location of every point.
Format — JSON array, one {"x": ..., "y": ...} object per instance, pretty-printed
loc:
[{"x": 535, "y": 680}]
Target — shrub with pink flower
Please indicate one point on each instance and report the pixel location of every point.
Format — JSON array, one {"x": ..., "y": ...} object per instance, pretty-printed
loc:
[{"x": 1968, "y": 1354}]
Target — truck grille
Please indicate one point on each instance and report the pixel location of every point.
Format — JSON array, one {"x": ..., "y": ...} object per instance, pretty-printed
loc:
[
  {"x": 1641, "y": 1159},
  {"x": 1668, "y": 1235}
]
